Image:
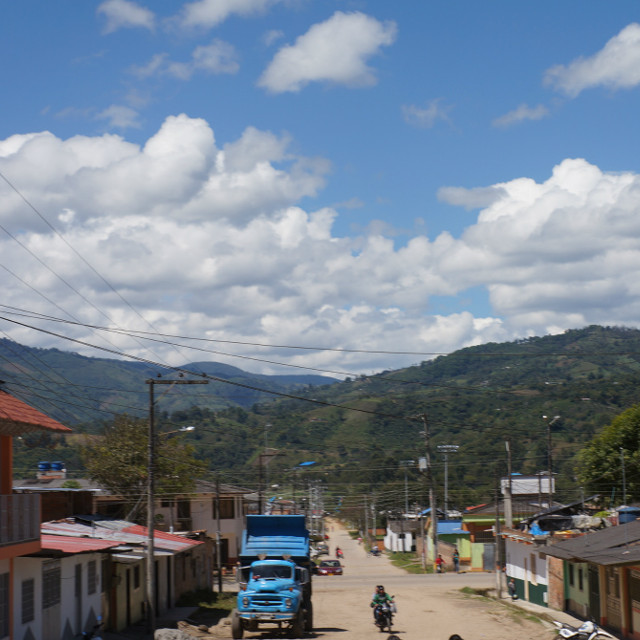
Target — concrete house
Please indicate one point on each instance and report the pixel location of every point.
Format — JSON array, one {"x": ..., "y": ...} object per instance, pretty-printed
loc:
[
  {"x": 601, "y": 577},
  {"x": 19, "y": 517}
]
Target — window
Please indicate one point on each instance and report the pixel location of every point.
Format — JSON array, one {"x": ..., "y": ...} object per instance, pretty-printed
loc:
[
  {"x": 28, "y": 600},
  {"x": 4, "y": 604},
  {"x": 50, "y": 585},
  {"x": 227, "y": 508},
  {"x": 580, "y": 583},
  {"x": 92, "y": 577},
  {"x": 572, "y": 571}
]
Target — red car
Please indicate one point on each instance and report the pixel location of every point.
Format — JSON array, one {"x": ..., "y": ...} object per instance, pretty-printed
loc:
[{"x": 330, "y": 568}]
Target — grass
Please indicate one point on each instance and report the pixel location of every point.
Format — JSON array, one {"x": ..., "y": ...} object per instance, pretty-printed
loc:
[{"x": 408, "y": 561}]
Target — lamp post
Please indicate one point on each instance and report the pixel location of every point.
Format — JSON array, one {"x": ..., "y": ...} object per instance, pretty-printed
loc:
[{"x": 151, "y": 464}]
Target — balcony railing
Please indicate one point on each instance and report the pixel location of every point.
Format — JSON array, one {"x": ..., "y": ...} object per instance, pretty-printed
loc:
[{"x": 19, "y": 518}]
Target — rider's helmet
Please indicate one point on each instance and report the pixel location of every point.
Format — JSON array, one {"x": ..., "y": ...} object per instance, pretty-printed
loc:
[{"x": 380, "y": 588}]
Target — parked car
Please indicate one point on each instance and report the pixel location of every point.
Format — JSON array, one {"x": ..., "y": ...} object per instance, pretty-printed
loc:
[
  {"x": 321, "y": 549},
  {"x": 330, "y": 568}
]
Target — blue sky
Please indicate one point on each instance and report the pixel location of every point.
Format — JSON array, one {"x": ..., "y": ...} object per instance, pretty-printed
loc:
[{"x": 361, "y": 175}]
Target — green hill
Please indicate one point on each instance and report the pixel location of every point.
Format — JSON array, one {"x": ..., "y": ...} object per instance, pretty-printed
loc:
[{"x": 362, "y": 432}]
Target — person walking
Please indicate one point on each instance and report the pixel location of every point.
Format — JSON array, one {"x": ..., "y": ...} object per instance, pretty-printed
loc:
[
  {"x": 511, "y": 586},
  {"x": 456, "y": 560}
]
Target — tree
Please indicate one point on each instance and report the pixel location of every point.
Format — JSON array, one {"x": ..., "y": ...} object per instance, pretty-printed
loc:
[
  {"x": 600, "y": 462},
  {"x": 118, "y": 460}
]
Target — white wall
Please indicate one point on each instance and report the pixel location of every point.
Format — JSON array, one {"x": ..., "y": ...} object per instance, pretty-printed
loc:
[
  {"x": 26, "y": 568},
  {"x": 525, "y": 563}
]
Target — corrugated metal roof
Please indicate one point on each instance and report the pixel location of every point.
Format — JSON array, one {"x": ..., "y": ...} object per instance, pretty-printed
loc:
[
  {"x": 611, "y": 546},
  {"x": 69, "y": 544},
  {"x": 123, "y": 533},
  {"x": 18, "y": 417}
]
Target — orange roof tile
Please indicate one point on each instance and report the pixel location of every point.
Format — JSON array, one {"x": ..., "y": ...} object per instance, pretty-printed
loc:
[{"x": 18, "y": 417}]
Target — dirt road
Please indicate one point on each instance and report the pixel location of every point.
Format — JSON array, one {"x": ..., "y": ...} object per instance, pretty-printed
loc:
[{"x": 430, "y": 607}]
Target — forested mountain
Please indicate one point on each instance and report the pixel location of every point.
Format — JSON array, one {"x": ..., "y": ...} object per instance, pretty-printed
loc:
[
  {"x": 362, "y": 433},
  {"x": 76, "y": 389}
]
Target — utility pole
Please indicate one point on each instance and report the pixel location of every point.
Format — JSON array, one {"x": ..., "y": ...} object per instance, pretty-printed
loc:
[
  {"x": 549, "y": 460},
  {"x": 366, "y": 522},
  {"x": 151, "y": 468},
  {"x": 218, "y": 556},
  {"x": 508, "y": 504},
  {"x": 624, "y": 478},
  {"x": 432, "y": 497},
  {"x": 445, "y": 449},
  {"x": 498, "y": 536}
]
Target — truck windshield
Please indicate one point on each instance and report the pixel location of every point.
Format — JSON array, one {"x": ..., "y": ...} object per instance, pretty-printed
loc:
[{"x": 271, "y": 571}]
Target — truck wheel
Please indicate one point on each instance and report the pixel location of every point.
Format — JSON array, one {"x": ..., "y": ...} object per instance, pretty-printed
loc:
[
  {"x": 297, "y": 628},
  {"x": 236, "y": 626},
  {"x": 308, "y": 619}
]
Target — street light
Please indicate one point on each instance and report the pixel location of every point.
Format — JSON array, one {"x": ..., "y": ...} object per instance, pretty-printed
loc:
[{"x": 151, "y": 465}]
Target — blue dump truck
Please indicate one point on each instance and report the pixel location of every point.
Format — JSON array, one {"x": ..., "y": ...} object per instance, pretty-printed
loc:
[{"x": 274, "y": 577}]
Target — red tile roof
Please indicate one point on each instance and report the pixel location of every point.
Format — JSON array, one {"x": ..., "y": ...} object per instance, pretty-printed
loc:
[{"x": 18, "y": 417}]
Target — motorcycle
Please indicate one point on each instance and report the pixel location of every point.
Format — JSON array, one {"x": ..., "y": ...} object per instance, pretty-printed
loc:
[
  {"x": 384, "y": 616},
  {"x": 375, "y": 552},
  {"x": 586, "y": 631}
]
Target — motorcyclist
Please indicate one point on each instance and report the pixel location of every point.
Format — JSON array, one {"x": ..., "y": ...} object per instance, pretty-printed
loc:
[{"x": 379, "y": 598}]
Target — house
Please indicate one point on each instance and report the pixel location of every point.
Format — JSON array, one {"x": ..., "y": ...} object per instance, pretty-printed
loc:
[
  {"x": 119, "y": 552},
  {"x": 48, "y": 608},
  {"x": 480, "y": 545},
  {"x": 534, "y": 573},
  {"x": 601, "y": 576},
  {"x": 197, "y": 511},
  {"x": 401, "y": 535},
  {"x": 19, "y": 516},
  {"x": 212, "y": 508}
]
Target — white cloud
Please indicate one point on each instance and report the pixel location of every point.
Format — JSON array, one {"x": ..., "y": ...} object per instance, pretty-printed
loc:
[
  {"x": 215, "y": 58},
  {"x": 125, "y": 14},
  {"x": 210, "y": 239},
  {"x": 209, "y": 13},
  {"x": 120, "y": 117},
  {"x": 477, "y": 198},
  {"x": 271, "y": 36},
  {"x": 426, "y": 117},
  {"x": 521, "y": 113},
  {"x": 616, "y": 66},
  {"x": 334, "y": 51}
]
